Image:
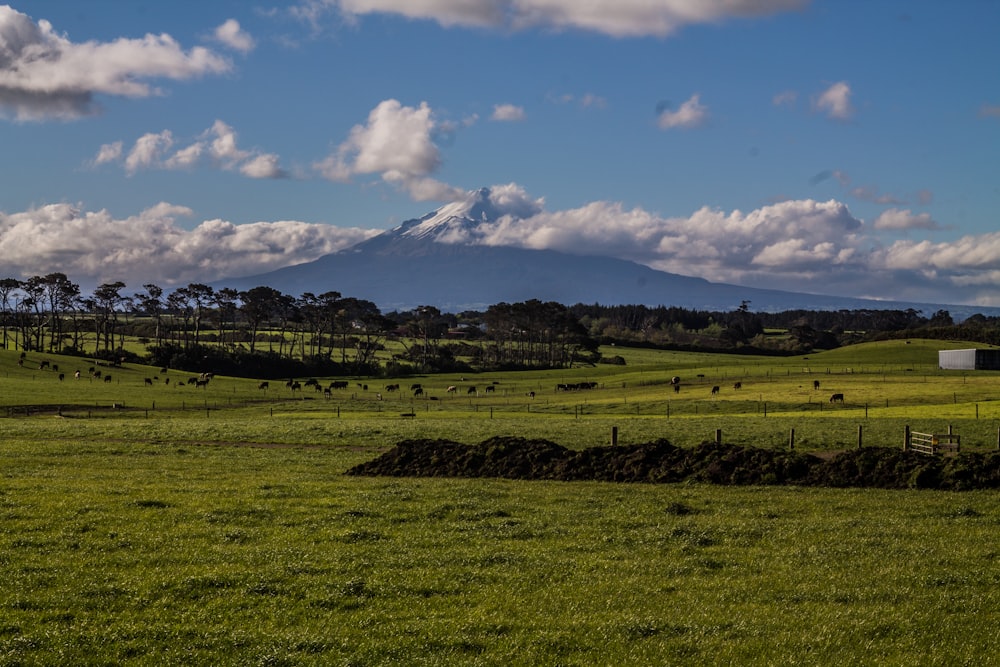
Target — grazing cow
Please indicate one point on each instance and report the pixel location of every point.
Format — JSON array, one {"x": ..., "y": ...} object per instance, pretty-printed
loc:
[
  {"x": 339, "y": 384},
  {"x": 312, "y": 382},
  {"x": 451, "y": 390},
  {"x": 43, "y": 364},
  {"x": 391, "y": 387},
  {"x": 531, "y": 394},
  {"x": 472, "y": 390},
  {"x": 418, "y": 391},
  {"x": 96, "y": 374},
  {"x": 55, "y": 367},
  {"x": 815, "y": 384},
  {"x": 76, "y": 375},
  {"x": 107, "y": 378},
  {"x": 677, "y": 388},
  {"x": 327, "y": 393},
  {"x": 490, "y": 389},
  {"x": 201, "y": 383},
  {"x": 62, "y": 376},
  {"x": 414, "y": 386},
  {"x": 295, "y": 386},
  {"x": 263, "y": 385},
  {"x": 192, "y": 380},
  {"x": 837, "y": 398},
  {"x": 715, "y": 390},
  {"x": 166, "y": 381},
  {"x": 675, "y": 380},
  {"x": 164, "y": 369},
  {"x": 737, "y": 385},
  {"x": 148, "y": 382}
]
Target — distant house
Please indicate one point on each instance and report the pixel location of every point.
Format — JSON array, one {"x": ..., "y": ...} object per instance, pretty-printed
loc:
[{"x": 969, "y": 360}]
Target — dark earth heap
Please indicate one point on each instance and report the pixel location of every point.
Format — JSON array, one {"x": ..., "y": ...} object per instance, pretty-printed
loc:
[{"x": 661, "y": 462}]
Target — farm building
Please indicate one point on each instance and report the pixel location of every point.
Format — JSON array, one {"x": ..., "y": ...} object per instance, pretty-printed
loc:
[{"x": 971, "y": 360}]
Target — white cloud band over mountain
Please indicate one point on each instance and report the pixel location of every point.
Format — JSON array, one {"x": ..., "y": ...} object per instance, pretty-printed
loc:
[{"x": 820, "y": 247}]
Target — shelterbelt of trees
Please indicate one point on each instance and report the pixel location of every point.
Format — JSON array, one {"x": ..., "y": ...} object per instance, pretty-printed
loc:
[{"x": 262, "y": 332}]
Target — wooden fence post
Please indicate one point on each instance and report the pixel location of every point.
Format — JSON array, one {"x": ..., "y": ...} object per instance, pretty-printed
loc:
[
  {"x": 718, "y": 436},
  {"x": 614, "y": 436},
  {"x": 906, "y": 437},
  {"x": 791, "y": 439},
  {"x": 860, "y": 428}
]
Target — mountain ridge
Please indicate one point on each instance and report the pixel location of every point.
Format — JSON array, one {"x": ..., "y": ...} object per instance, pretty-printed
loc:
[{"x": 435, "y": 260}]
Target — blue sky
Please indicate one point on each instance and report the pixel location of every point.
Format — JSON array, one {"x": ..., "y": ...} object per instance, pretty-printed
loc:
[{"x": 847, "y": 148}]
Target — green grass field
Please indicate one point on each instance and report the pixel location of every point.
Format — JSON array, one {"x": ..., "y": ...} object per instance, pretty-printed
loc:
[{"x": 215, "y": 526}]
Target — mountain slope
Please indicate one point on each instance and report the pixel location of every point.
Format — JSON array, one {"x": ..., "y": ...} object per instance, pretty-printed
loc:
[{"x": 433, "y": 260}]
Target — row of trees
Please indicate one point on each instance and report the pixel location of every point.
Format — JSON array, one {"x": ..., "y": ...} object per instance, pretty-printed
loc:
[
  {"x": 199, "y": 322},
  {"x": 262, "y": 328}
]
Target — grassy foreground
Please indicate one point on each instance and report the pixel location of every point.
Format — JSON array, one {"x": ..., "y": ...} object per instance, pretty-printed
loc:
[
  {"x": 158, "y": 554},
  {"x": 164, "y": 524}
]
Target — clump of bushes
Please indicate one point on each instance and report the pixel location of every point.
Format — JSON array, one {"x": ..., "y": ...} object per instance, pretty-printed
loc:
[{"x": 662, "y": 462}]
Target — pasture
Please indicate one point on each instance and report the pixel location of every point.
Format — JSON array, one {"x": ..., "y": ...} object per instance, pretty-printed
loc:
[{"x": 166, "y": 524}]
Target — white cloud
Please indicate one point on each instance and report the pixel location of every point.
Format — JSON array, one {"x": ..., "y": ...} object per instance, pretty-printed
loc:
[
  {"x": 109, "y": 153},
  {"x": 218, "y": 142},
  {"x": 396, "y": 143},
  {"x": 232, "y": 35},
  {"x": 45, "y": 75},
  {"x": 623, "y": 18},
  {"x": 94, "y": 247},
  {"x": 263, "y": 166},
  {"x": 508, "y": 112},
  {"x": 148, "y": 151},
  {"x": 690, "y": 114},
  {"x": 896, "y": 219},
  {"x": 835, "y": 101}
]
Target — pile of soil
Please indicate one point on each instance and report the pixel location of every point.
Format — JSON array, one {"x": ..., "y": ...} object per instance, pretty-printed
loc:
[{"x": 661, "y": 462}]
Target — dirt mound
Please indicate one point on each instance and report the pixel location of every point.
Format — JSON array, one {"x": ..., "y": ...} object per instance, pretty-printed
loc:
[{"x": 661, "y": 462}]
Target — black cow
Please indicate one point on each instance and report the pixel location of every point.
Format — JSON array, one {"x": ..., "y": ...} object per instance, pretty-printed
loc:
[
  {"x": 837, "y": 398},
  {"x": 715, "y": 390},
  {"x": 815, "y": 384},
  {"x": 677, "y": 388},
  {"x": 737, "y": 385},
  {"x": 263, "y": 385},
  {"x": 148, "y": 382}
]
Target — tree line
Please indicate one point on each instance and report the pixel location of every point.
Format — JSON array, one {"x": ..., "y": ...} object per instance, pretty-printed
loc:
[{"x": 266, "y": 333}]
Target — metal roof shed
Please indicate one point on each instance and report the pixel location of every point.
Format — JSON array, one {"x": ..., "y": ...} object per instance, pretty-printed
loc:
[{"x": 971, "y": 360}]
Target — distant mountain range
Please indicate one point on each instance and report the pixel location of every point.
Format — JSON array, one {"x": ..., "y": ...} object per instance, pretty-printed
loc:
[{"x": 424, "y": 261}]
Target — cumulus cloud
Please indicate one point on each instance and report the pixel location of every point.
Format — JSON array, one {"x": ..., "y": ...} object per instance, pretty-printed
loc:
[
  {"x": 897, "y": 219},
  {"x": 815, "y": 246},
  {"x": 396, "y": 143},
  {"x": 45, "y": 75},
  {"x": 835, "y": 101},
  {"x": 232, "y": 35},
  {"x": 109, "y": 153},
  {"x": 94, "y": 247},
  {"x": 218, "y": 144},
  {"x": 690, "y": 114},
  {"x": 148, "y": 151},
  {"x": 625, "y": 18},
  {"x": 508, "y": 112}
]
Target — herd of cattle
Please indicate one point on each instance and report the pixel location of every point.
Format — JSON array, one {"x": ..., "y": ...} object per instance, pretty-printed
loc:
[{"x": 417, "y": 389}]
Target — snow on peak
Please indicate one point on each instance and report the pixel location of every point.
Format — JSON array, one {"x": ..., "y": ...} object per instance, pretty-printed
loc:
[{"x": 458, "y": 221}]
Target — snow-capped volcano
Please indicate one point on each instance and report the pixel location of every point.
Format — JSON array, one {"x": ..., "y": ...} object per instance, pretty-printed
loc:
[
  {"x": 459, "y": 221},
  {"x": 451, "y": 258}
]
